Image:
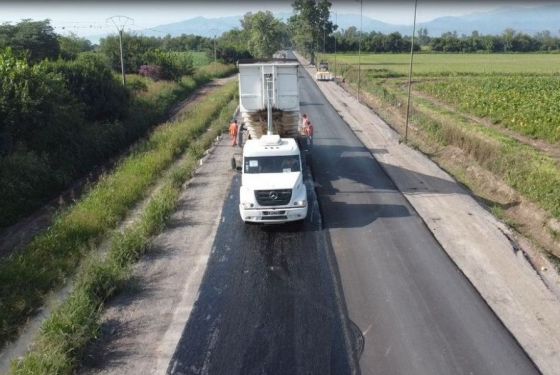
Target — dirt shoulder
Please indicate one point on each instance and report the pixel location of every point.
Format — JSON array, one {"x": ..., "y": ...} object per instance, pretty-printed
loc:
[
  {"x": 476, "y": 241},
  {"x": 141, "y": 326}
]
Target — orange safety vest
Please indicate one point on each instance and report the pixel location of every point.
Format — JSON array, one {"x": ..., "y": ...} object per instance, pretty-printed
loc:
[
  {"x": 309, "y": 130},
  {"x": 233, "y": 129}
]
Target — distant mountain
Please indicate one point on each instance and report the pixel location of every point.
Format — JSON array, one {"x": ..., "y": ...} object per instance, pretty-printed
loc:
[
  {"x": 198, "y": 26},
  {"x": 525, "y": 19},
  {"x": 203, "y": 26},
  {"x": 521, "y": 18},
  {"x": 345, "y": 21}
]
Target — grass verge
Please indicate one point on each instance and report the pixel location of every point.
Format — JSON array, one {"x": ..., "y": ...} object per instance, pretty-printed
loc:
[
  {"x": 76, "y": 321},
  {"x": 52, "y": 257}
]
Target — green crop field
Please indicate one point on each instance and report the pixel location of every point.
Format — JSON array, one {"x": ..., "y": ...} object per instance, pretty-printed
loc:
[
  {"x": 446, "y": 64},
  {"x": 529, "y": 105},
  {"x": 516, "y": 91}
]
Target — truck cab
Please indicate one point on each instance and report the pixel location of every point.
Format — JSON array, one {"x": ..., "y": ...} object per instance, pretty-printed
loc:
[
  {"x": 272, "y": 187},
  {"x": 323, "y": 73}
]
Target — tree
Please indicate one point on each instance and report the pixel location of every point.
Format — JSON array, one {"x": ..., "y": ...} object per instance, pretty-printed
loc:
[
  {"x": 134, "y": 49},
  {"x": 34, "y": 39},
  {"x": 264, "y": 33},
  {"x": 423, "y": 38},
  {"x": 232, "y": 45},
  {"x": 507, "y": 37},
  {"x": 310, "y": 24},
  {"x": 72, "y": 45}
]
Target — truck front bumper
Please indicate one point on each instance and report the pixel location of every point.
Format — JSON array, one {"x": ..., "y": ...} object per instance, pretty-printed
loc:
[{"x": 272, "y": 215}]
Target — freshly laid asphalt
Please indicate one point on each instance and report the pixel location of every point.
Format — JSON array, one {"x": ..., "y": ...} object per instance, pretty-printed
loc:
[{"x": 361, "y": 287}]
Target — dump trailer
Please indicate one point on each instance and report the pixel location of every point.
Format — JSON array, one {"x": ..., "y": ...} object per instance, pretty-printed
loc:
[{"x": 272, "y": 187}]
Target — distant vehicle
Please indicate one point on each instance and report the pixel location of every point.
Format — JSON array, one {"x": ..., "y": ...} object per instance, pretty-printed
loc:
[
  {"x": 272, "y": 187},
  {"x": 323, "y": 73},
  {"x": 280, "y": 55}
]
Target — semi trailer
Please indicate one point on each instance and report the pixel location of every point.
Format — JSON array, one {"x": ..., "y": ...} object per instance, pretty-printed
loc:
[{"x": 272, "y": 187}]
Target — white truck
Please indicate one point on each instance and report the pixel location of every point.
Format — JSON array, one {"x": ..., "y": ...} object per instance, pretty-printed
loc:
[
  {"x": 272, "y": 187},
  {"x": 323, "y": 73}
]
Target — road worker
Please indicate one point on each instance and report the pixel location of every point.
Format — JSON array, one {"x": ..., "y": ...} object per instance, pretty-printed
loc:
[
  {"x": 304, "y": 121},
  {"x": 308, "y": 130},
  {"x": 233, "y": 129}
]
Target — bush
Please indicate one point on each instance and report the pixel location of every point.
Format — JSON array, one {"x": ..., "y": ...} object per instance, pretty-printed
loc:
[
  {"x": 172, "y": 65},
  {"x": 90, "y": 80},
  {"x": 150, "y": 71},
  {"x": 34, "y": 105},
  {"x": 20, "y": 173},
  {"x": 59, "y": 119}
]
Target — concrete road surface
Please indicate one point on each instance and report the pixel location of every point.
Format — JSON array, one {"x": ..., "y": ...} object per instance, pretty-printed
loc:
[{"x": 361, "y": 287}]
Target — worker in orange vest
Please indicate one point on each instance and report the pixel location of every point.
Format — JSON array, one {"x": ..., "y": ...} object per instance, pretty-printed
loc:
[
  {"x": 233, "y": 129},
  {"x": 304, "y": 122},
  {"x": 308, "y": 130}
]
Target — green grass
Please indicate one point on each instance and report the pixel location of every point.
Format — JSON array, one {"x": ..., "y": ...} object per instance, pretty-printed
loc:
[
  {"x": 200, "y": 58},
  {"x": 454, "y": 64},
  {"x": 76, "y": 322},
  {"x": 53, "y": 256}
]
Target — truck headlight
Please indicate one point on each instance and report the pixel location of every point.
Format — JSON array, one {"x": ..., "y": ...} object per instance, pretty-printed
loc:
[
  {"x": 247, "y": 205},
  {"x": 301, "y": 203}
]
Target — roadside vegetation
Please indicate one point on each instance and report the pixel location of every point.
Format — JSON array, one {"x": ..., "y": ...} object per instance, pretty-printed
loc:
[
  {"x": 529, "y": 105},
  {"x": 76, "y": 322},
  {"x": 52, "y": 257},
  {"x": 64, "y": 111},
  {"x": 503, "y": 116}
]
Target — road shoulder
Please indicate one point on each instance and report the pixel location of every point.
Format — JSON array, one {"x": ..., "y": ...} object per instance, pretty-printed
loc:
[
  {"x": 141, "y": 326},
  {"x": 476, "y": 241}
]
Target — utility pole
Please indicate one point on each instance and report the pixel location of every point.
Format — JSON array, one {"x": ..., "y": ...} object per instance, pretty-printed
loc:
[
  {"x": 215, "y": 32},
  {"x": 120, "y": 22},
  {"x": 410, "y": 75},
  {"x": 360, "y": 52},
  {"x": 334, "y": 36},
  {"x": 324, "y": 37}
]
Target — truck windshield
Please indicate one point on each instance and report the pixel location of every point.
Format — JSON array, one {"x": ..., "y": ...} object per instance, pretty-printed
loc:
[{"x": 272, "y": 164}]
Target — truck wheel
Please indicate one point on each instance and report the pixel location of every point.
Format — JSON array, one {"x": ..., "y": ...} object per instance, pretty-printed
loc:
[{"x": 233, "y": 166}]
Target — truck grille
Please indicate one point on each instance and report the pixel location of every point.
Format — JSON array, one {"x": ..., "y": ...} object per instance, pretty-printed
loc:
[{"x": 273, "y": 197}]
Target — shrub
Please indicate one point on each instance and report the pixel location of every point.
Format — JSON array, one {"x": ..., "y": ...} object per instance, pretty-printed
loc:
[
  {"x": 150, "y": 71},
  {"x": 35, "y": 105},
  {"x": 90, "y": 80},
  {"x": 172, "y": 65},
  {"x": 20, "y": 173}
]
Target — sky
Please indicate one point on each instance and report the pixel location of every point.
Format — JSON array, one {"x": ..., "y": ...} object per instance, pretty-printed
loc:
[{"x": 89, "y": 18}]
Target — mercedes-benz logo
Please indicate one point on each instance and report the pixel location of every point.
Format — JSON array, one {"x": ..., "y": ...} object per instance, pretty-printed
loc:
[{"x": 273, "y": 195}]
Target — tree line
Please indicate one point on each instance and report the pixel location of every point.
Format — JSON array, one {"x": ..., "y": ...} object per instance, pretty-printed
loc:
[
  {"x": 311, "y": 31},
  {"x": 509, "y": 41}
]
